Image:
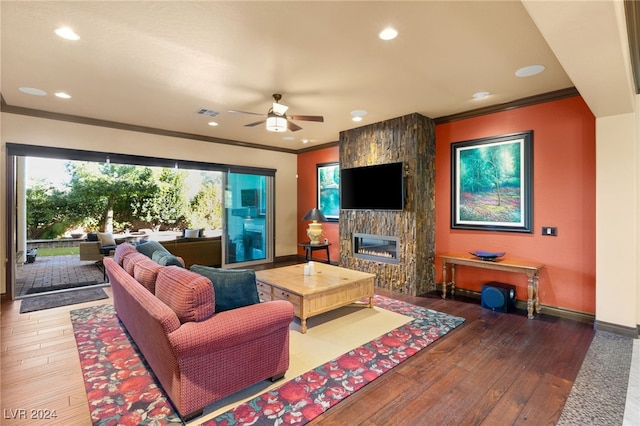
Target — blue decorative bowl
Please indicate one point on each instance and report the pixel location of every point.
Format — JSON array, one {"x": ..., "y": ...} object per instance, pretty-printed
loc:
[{"x": 487, "y": 255}]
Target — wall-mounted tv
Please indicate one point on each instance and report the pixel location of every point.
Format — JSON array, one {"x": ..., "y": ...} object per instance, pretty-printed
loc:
[{"x": 379, "y": 187}]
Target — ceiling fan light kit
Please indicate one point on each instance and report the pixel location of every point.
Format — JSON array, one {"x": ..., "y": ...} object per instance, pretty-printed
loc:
[
  {"x": 277, "y": 119},
  {"x": 276, "y": 123}
]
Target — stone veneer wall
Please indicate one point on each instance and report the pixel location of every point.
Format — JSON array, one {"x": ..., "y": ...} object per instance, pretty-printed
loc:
[{"x": 410, "y": 139}]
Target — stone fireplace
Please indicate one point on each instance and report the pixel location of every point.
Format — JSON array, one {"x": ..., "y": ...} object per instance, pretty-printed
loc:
[{"x": 411, "y": 268}]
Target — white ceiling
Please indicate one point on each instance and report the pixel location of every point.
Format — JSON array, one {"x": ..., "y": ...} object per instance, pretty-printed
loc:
[{"x": 154, "y": 64}]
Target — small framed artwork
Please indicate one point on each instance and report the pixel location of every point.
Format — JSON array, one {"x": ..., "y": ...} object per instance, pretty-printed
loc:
[
  {"x": 328, "y": 185},
  {"x": 492, "y": 183}
]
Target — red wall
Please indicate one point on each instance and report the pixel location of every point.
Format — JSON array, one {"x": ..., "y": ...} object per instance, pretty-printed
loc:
[
  {"x": 307, "y": 191},
  {"x": 564, "y": 197}
]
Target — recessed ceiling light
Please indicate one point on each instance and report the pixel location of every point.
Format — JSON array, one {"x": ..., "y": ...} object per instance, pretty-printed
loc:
[
  {"x": 212, "y": 123},
  {"x": 304, "y": 140},
  {"x": 288, "y": 138},
  {"x": 32, "y": 91},
  {"x": 357, "y": 114},
  {"x": 63, "y": 95},
  {"x": 388, "y": 34},
  {"x": 480, "y": 95},
  {"x": 67, "y": 33},
  {"x": 530, "y": 70}
]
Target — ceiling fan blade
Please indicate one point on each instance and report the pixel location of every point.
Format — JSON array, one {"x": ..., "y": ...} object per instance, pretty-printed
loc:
[
  {"x": 235, "y": 111},
  {"x": 293, "y": 126},
  {"x": 307, "y": 118},
  {"x": 255, "y": 124}
]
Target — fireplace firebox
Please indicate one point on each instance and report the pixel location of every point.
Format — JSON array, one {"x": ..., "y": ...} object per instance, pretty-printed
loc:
[{"x": 378, "y": 248}]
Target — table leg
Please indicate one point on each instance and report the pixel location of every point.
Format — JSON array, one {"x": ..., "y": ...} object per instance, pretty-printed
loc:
[
  {"x": 536, "y": 303},
  {"x": 453, "y": 280},
  {"x": 303, "y": 325},
  {"x": 530, "y": 288},
  {"x": 371, "y": 302},
  {"x": 328, "y": 258},
  {"x": 444, "y": 279}
]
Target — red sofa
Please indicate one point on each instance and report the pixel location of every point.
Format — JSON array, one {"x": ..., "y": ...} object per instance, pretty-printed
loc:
[{"x": 199, "y": 356}]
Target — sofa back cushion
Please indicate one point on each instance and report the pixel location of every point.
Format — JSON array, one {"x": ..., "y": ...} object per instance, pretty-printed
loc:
[
  {"x": 188, "y": 294},
  {"x": 149, "y": 246},
  {"x": 122, "y": 250},
  {"x": 129, "y": 261},
  {"x": 233, "y": 288},
  {"x": 146, "y": 273}
]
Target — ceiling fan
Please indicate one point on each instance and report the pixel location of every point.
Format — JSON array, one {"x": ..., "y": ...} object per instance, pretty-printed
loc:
[{"x": 276, "y": 118}]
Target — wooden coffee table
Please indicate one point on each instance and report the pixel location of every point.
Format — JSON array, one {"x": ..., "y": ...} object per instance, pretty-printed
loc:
[{"x": 329, "y": 288}]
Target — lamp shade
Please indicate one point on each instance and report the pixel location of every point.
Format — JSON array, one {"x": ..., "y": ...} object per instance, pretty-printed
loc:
[
  {"x": 315, "y": 215},
  {"x": 276, "y": 123}
]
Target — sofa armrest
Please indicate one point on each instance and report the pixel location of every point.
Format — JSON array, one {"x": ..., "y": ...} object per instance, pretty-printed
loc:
[{"x": 231, "y": 328}]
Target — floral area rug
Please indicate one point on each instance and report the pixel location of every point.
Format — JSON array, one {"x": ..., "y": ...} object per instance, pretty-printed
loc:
[{"x": 122, "y": 390}]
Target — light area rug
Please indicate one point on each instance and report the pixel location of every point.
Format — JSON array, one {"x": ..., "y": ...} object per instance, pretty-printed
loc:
[
  {"x": 121, "y": 389},
  {"x": 328, "y": 336}
]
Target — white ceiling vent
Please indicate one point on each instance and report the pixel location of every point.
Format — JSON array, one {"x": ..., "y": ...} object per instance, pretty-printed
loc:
[{"x": 207, "y": 112}]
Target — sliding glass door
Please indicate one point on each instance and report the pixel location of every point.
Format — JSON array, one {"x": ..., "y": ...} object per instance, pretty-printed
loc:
[{"x": 248, "y": 219}]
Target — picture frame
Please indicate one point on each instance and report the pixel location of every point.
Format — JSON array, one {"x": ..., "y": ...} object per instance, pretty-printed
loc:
[
  {"x": 328, "y": 190},
  {"x": 492, "y": 183}
]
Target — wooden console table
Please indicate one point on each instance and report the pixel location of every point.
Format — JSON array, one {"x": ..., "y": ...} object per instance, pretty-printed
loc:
[{"x": 531, "y": 269}]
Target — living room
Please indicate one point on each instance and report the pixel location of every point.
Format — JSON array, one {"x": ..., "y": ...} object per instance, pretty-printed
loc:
[{"x": 585, "y": 185}]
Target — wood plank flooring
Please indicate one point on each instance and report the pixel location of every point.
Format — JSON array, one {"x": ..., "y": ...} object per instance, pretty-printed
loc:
[{"x": 496, "y": 369}]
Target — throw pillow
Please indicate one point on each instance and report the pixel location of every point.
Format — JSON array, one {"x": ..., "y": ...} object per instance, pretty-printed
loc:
[
  {"x": 92, "y": 236},
  {"x": 148, "y": 247},
  {"x": 231, "y": 288},
  {"x": 191, "y": 233},
  {"x": 106, "y": 239},
  {"x": 165, "y": 258}
]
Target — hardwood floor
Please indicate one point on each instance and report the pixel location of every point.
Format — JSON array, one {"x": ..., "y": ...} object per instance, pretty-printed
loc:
[{"x": 496, "y": 369}]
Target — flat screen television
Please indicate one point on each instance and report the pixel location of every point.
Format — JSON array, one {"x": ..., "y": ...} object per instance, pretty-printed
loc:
[{"x": 379, "y": 187}]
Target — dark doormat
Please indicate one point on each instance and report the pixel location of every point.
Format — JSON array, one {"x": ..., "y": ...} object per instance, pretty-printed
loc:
[
  {"x": 56, "y": 300},
  {"x": 35, "y": 290}
]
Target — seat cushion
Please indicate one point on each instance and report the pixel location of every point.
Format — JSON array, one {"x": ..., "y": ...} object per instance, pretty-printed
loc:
[
  {"x": 188, "y": 294},
  {"x": 232, "y": 288},
  {"x": 147, "y": 247}
]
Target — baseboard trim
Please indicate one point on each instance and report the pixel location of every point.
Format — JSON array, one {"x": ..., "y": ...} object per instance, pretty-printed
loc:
[
  {"x": 622, "y": 330},
  {"x": 546, "y": 309}
]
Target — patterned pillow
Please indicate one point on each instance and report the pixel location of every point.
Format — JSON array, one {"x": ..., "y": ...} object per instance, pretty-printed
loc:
[
  {"x": 188, "y": 294},
  {"x": 232, "y": 288}
]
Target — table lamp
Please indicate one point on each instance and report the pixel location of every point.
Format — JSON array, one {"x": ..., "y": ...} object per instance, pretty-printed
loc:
[{"x": 314, "y": 231}]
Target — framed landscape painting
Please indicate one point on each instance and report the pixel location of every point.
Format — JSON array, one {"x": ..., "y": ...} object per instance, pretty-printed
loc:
[
  {"x": 491, "y": 183},
  {"x": 329, "y": 190}
]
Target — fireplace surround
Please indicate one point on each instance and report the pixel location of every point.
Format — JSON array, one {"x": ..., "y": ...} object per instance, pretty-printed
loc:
[{"x": 409, "y": 139}]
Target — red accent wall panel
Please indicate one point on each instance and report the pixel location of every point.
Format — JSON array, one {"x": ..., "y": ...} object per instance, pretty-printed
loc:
[
  {"x": 307, "y": 193},
  {"x": 564, "y": 197}
]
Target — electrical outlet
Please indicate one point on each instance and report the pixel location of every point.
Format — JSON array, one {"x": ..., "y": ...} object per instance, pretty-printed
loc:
[{"x": 550, "y": 231}]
